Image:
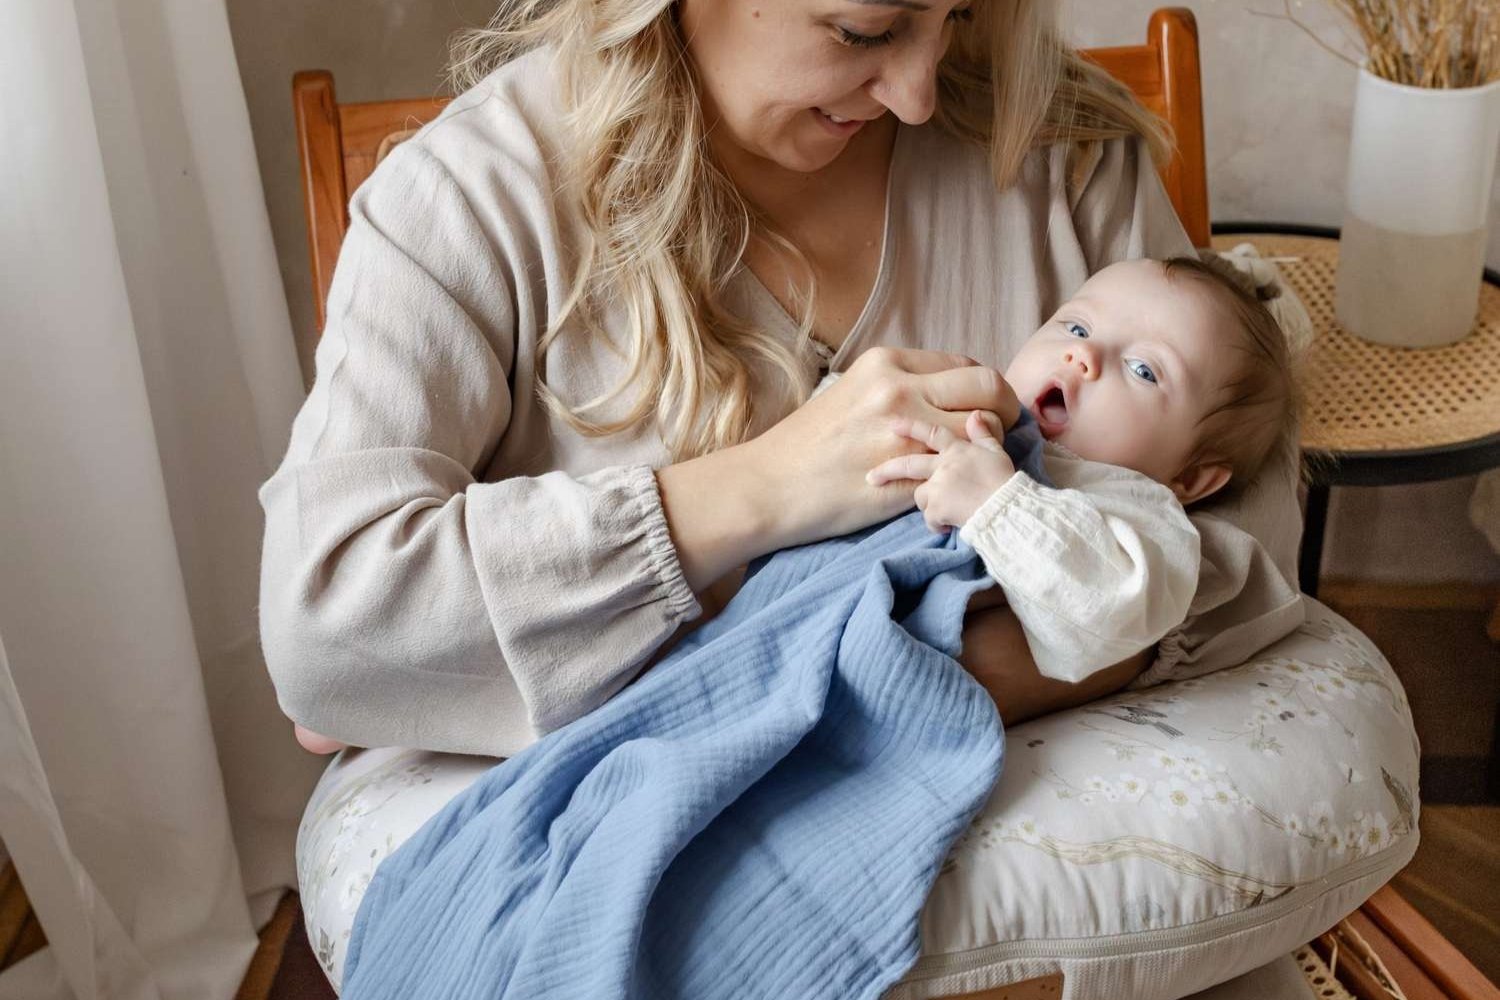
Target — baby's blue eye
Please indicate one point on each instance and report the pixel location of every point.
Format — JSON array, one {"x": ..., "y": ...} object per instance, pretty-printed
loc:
[
  {"x": 1142, "y": 371},
  {"x": 1075, "y": 329}
]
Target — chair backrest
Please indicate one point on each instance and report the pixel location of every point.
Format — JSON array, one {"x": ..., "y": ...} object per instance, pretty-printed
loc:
[
  {"x": 1165, "y": 77},
  {"x": 340, "y": 144}
]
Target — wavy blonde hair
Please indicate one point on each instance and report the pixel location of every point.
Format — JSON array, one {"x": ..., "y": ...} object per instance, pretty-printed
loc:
[{"x": 666, "y": 228}]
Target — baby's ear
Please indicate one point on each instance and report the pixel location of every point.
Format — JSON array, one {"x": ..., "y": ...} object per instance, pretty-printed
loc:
[{"x": 1200, "y": 480}]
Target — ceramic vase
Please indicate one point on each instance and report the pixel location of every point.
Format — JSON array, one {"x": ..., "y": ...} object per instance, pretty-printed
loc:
[{"x": 1411, "y": 253}]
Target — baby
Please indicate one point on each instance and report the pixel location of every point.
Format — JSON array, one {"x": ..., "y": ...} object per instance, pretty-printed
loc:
[{"x": 1157, "y": 386}]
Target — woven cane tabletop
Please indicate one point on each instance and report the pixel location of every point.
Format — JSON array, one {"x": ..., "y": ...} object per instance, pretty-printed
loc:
[{"x": 1363, "y": 397}]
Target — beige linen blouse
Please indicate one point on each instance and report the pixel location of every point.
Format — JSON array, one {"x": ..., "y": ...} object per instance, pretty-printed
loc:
[{"x": 447, "y": 567}]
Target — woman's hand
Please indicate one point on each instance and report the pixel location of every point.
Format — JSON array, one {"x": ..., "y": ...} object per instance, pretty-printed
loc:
[
  {"x": 820, "y": 454},
  {"x": 804, "y": 478},
  {"x": 957, "y": 476}
]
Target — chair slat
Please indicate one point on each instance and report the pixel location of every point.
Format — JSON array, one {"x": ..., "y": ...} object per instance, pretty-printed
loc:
[
  {"x": 325, "y": 196},
  {"x": 1166, "y": 76}
]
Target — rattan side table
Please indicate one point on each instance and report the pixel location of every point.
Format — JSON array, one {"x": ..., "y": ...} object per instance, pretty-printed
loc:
[{"x": 1380, "y": 416}]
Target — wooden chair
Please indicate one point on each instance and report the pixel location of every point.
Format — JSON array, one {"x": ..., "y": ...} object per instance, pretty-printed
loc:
[
  {"x": 1165, "y": 77},
  {"x": 340, "y": 144}
]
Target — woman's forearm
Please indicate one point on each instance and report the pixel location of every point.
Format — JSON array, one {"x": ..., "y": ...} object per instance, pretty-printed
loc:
[
  {"x": 995, "y": 652},
  {"x": 721, "y": 513}
]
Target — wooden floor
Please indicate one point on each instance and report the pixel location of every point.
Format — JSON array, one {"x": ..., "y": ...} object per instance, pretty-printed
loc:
[
  {"x": 284, "y": 967},
  {"x": 1454, "y": 880},
  {"x": 20, "y": 933},
  {"x": 1450, "y": 669}
]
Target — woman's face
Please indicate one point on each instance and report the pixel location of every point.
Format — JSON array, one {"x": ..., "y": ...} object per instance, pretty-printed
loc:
[{"x": 792, "y": 81}]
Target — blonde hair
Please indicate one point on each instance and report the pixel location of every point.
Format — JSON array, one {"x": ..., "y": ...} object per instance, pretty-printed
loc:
[{"x": 665, "y": 226}]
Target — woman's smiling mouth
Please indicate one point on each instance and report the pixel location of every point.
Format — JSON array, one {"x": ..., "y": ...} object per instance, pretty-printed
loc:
[{"x": 838, "y": 124}]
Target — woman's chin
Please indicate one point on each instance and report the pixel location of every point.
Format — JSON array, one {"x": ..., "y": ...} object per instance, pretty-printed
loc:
[
  {"x": 809, "y": 157},
  {"x": 805, "y": 148},
  {"x": 811, "y": 146}
]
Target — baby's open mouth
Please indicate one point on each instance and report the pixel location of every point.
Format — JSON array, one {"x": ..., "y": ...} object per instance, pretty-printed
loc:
[{"x": 1051, "y": 410}]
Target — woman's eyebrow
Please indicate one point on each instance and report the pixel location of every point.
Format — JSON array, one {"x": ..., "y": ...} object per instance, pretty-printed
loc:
[{"x": 903, "y": 4}]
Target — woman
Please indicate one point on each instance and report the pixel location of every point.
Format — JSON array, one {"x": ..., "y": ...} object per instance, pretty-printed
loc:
[{"x": 557, "y": 395}]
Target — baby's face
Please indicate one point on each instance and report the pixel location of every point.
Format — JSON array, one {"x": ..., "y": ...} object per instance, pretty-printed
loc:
[{"x": 1123, "y": 372}]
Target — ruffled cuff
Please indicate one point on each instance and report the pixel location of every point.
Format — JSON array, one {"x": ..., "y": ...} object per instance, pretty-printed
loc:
[
  {"x": 581, "y": 582},
  {"x": 983, "y": 523}
]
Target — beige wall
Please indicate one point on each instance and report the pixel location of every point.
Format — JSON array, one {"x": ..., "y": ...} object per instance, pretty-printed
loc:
[
  {"x": 1276, "y": 106},
  {"x": 1277, "y": 117}
]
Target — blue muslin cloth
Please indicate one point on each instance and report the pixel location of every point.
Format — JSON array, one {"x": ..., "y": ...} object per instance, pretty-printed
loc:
[{"x": 762, "y": 814}]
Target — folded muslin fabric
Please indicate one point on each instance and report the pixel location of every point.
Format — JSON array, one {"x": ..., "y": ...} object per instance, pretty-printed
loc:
[{"x": 762, "y": 814}]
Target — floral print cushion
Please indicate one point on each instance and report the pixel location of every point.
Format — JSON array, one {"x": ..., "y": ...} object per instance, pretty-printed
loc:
[{"x": 1147, "y": 845}]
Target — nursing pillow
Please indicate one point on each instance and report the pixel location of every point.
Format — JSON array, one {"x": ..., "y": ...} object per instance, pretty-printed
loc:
[{"x": 1148, "y": 845}]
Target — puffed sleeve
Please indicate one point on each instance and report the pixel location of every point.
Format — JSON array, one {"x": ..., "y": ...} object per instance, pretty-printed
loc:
[
  {"x": 1095, "y": 570},
  {"x": 403, "y": 602},
  {"x": 1247, "y": 596}
]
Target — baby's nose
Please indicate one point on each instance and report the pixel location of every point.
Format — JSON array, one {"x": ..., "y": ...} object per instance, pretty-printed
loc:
[{"x": 1081, "y": 356}]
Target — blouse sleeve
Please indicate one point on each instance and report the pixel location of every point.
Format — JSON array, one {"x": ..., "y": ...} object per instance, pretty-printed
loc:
[
  {"x": 1247, "y": 597},
  {"x": 1095, "y": 571},
  {"x": 402, "y": 602}
]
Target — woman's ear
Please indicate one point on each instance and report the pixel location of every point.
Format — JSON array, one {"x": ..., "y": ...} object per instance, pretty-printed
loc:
[{"x": 1199, "y": 480}]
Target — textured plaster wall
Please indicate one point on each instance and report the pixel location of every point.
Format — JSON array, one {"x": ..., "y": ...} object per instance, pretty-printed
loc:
[
  {"x": 1276, "y": 105},
  {"x": 1277, "y": 114}
]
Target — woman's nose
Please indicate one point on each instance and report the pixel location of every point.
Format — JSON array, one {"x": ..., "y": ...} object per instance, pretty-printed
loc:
[
  {"x": 907, "y": 83},
  {"x": 1084, "y": 358}
]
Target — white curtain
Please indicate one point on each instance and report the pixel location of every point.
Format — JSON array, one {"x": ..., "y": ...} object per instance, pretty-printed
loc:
[{"x": 149, "y": 788}]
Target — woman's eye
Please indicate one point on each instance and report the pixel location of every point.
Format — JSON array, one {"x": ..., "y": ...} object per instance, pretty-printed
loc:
[
  {"x": 864, "y": 41},
  {"x": 1142, "y": 371},
  {"x": 1075, "y": 329},
  {"x": 854, "y": 38}
]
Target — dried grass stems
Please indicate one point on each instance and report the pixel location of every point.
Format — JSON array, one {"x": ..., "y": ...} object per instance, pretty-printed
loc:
[{"x": 1422, "y": 43}]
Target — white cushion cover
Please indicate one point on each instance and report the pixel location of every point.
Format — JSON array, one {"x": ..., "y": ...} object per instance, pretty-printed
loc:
[{"x": 1148, "y": 845}]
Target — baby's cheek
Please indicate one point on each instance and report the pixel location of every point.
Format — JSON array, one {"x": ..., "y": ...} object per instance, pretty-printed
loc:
[{"x": 1138, "y": 440}]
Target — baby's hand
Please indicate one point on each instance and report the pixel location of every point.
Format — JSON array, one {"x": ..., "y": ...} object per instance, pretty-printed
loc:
[{"x": 959, "y": 478}]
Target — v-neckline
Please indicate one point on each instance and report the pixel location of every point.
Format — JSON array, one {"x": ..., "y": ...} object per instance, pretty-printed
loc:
[{"x": 832, "y": 358}]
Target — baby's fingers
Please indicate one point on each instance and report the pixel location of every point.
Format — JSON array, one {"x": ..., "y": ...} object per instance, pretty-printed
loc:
[
  {"x": 981, "y": 432},
  {"x": 933, "y": 436},
  {"x": 917, "y": 466}
]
